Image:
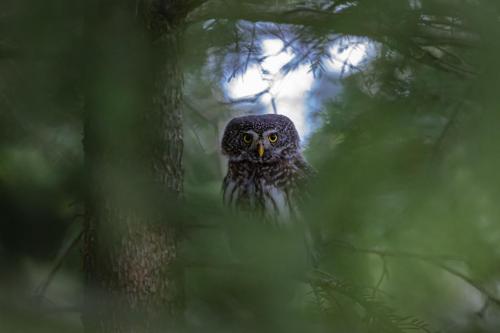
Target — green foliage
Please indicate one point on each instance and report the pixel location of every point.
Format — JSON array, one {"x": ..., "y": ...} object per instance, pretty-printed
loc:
[{"x": 405, "y": 199}]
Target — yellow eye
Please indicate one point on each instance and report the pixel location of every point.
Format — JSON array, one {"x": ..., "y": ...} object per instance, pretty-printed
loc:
[
  {"x": 273, "y": 138},
  {"x": 247, "y": 138}
]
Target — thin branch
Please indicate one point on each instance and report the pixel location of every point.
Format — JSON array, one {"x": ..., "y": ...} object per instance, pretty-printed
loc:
[
  {"x": 250, "y": 49},
  {"x": 444, "y": 133},
  {"x": 247, "y": 99},
  {"x": 255, "y": 13},
  {"x": 42, "y": 288},
  {"x": 198, "y": 139},
  {"x": 342, "y": 22},
  {"x": 432, "y": 59},
  {"x": 403, "y": 254},
  {"x": 273, "y": 104},
  {"x": 432, "y": 260},
  {"x": 49, "y": 307},
  {"x": 477, "y": 286},
  {"x": 383, "y": 275},
  {"x": 386, "y": 316},
  {"x": 198, "y": 112}
]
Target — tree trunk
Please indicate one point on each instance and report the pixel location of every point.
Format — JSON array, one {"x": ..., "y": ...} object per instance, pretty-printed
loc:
[{"x": 133, "y": 151}]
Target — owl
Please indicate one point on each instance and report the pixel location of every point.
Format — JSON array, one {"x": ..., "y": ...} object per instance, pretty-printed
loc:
[{"x": 266, "y": 170}]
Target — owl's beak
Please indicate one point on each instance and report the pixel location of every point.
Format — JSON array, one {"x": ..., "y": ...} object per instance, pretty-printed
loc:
[{"x": 260, "y": 149}]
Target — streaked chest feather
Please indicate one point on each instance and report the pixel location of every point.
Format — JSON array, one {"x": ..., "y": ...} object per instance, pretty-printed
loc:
[{"x": 263, "y": 190}]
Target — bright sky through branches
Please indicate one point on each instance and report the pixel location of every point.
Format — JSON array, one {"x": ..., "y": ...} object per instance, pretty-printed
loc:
[{"x": 290, "y": 91}]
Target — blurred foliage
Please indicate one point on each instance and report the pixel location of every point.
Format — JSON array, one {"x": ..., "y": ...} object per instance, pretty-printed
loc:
[{"x": 405, "y": 198}]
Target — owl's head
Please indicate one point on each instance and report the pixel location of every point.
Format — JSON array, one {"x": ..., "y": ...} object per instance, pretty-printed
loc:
[{"x": 260, "y": 139}]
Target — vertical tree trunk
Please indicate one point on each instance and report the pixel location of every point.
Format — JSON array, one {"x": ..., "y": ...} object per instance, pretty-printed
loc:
[{"x": 133, "y": 150}]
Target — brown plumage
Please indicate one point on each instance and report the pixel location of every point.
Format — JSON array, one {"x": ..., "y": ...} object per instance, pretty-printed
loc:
[{"x": 266, "y": 169}]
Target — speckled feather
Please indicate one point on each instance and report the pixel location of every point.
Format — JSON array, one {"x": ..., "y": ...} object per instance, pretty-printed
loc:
[{"x": 272, "y": 184}]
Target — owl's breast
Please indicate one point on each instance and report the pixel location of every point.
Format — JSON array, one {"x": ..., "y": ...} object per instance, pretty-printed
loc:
[{"x": 258, "y": 193}]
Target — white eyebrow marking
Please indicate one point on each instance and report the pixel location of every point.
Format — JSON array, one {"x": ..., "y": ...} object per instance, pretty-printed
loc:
[
  {"x": 266, "y": 133},
  {"x": 254, "y": 134}
]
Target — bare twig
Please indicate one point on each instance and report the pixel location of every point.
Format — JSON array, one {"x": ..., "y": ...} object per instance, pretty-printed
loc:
[
  {"x": 450, "y": 32},
  {"x": 198, "y": 140},
  {"x": 432, "y": 260},
  {"x": 273, "y": 104},
  {"x": 444, "y": 132},
  {"x": 48, "y": 307},
  {"x": 469, "y": 280},
  {"x": 42, "y": 288},
  {"x": 383, "y": 275},
  {"x": 341, "y": 22},
  {"x": 250, "y": 49},
  {"x": 248, "y": 99},
  {"x": 198, "y": 112}
]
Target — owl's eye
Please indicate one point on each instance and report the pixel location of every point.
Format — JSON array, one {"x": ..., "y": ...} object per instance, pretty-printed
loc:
[
  {"x": 273, "y": 138},
  {"x": 247, "y": 138}
]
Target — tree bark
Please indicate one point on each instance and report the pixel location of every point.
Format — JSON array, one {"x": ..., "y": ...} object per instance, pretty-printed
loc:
[{"x": 133, "y": 151}]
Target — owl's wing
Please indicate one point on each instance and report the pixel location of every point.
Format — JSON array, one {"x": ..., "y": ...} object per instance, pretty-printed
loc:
[{"x": 304, "y": 177}]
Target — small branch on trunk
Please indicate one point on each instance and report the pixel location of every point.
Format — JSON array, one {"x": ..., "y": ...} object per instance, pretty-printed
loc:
[
  {"x": 42, "y": 288},
  {"x": 48, "y": 307}
]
